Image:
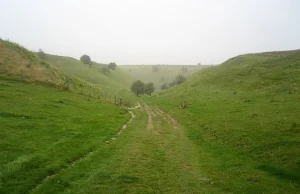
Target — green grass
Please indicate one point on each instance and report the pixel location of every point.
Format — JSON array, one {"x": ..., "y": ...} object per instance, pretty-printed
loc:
[
  {"x": 93, "y": 82},
  {"x": 18, "y": 63},
  {"x": 108, "y": 82},
  {"x": 141, "y": 160},
  {"x": 163, "y": 159},
  {"x": 245, "y": 114},
  {"x": 165, "y": 74},
  {"x": 239, "y": 133},
  {"x": 44, "y": 130}
]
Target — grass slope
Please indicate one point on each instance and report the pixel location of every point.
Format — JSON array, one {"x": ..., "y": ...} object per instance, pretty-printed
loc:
[
  {"x": 112, "y": 81},
  {"x": 45, "y": 130},
  {"x": 165, "y": 73},
  {"x": 245, "y": 113},
  {"x": 18, "y": 63}
]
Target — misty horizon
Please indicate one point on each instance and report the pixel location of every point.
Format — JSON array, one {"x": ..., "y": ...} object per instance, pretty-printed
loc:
[{"x": 152, "y": 32}]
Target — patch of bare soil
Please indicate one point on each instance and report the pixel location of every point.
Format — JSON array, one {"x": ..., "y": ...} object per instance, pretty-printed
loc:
[
  {"x": 168, "y": 118},
  {"x": 150, "y": 120}
]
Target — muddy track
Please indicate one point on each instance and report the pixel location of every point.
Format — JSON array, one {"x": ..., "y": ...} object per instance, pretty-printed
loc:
[
  {"x": 150, "y": 120},
  {"x": 167, "y": 117},
  {"x": 155, "y": 114},
  {"x": 88, "y": 154},
  {"x": 182, "y": 149}
]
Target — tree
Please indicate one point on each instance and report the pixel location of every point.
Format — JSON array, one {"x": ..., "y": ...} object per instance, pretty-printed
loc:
[
  {"x": 149, "y": 88},
  {"x": 199, "y": 64},
  {"x": 85, "y": 59},
  {"x": 179, "y": 79},
  {"x": 112, "y": 66},
  {"x": 137, "y": 87},
  {"x": 41, "y": 54}
]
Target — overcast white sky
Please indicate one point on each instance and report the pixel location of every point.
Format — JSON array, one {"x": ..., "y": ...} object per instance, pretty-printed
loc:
[{"x": 152, "y": 31}]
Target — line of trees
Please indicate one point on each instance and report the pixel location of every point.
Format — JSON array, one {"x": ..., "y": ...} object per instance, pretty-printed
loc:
[
  {"x": 85, "y": 59},
  {"x": 138, "y": 87}
]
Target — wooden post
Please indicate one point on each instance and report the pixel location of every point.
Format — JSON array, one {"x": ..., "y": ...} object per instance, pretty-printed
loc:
[
  {"x": 120, "y": 102},
  {"x": 115, "y": 99}
]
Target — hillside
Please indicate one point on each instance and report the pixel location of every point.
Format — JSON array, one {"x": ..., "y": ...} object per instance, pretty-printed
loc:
[
  {"x": 245, "y": 113},
  {"x": 50, "y": 120},
  {"x": 112, "y": 81},
  {"x": 18, "y": 63},
  {"x": 232, "y": 128},
  {"x": 165, "y": 74},
  {"x": 45, "y": 130}
]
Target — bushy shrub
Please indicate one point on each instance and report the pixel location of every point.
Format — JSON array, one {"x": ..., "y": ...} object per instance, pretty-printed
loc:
[
  {"x": 85, "y": 59},
  {"x": 112, "y": 66}
]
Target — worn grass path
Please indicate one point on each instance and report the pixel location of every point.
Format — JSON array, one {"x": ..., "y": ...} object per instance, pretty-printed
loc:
[
  {"x": 153, "y": 155},
  {"x": 88, "y": 154}
]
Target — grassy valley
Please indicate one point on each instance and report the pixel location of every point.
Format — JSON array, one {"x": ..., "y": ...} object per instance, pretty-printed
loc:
[
  {"x": 160, "y": 74},
  {"x": 92, "y": 122},
  {"x": 109, "y": 81},
  {"x": 245, "y": 114},
  {"x": 231, "y": 128}
]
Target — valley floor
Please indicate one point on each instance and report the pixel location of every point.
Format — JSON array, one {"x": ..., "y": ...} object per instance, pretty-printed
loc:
[
  {"x": 154, "y": 155},
  {"x": 59, "y": 142}
]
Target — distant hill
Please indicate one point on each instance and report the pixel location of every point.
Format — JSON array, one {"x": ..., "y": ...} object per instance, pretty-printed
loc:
[
  {"x": 164, "y": 74},
  {"x": 247, "y": 107},
  {"x": 113, "y": 80},
  {"x": 16, "y": 62},
  {"x": 254, "y": 71}
]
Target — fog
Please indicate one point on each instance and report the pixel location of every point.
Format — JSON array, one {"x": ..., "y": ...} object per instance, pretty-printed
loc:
[{"x": 152, "y": 31}]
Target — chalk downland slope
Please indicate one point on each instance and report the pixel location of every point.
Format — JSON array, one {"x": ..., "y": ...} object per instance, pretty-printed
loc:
[
  {"x": 112, "y": 80},
  {"x": 46, "y": 130},
  {"x": 246, "y": 113},
  {"x": 18, "y": 63}
]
